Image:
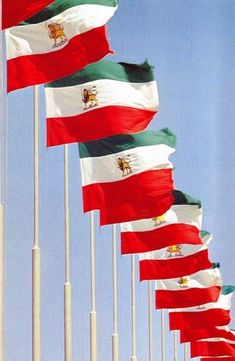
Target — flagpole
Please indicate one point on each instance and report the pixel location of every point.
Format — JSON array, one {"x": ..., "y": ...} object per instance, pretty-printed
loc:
[
  {"x": 185, "y": 351},
  {"x": 133, "y": 308},
  {"x": 150, "y": 316},
  {"x": 36, "y": 255},
  {"x": 2, "y": 199},
  {"x": 115, "y": 349},
  {"x": 175, "y": 346},
  {"x": 68, "y": 352},
  {"x": 93, "y": 320},
  {"x": 163, "y": 334}
]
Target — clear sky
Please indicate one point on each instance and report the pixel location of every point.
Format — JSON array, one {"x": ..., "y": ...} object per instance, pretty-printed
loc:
[{"x": 191, "y": 45}]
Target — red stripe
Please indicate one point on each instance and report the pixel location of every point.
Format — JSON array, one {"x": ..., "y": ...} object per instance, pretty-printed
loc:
[
  {"x": 186, "y": 298},
  {"x": 186, "y": 334},
  {"x": 210, "y": 348},
  {"x": 207, "y": 319},
  {"x": 137, "y": 242},
  {"x": 176, "y": 267},
  {"x": 218, "y": 359},
  {"x": 140, "y": 196},
  {"x": 15, "y": 11},
  {"x": 81, "y": 50},
  {"x": 97, "y": 123}
]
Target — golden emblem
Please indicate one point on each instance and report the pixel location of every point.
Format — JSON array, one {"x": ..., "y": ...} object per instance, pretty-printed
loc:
[
  {"x": 124, "y": 165},
  {"x": 159, "y": 220},
  {"x": 183, "y": 282},
  {"x": 89, "y": 97},
  {"x": 56, "y": 32},
  {"x": 174, "y": 250}
]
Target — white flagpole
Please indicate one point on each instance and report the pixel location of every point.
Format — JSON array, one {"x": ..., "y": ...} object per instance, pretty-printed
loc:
[
  {"x": 175, "y": 346},
  {"x": 185, "y": 351},
  {"x": 150, "y": 319},
  {"x": 2, "y": 195},
  {"x": 93, "y": 320},
  {"x": 163, "y": 334},
  {"x": 36, "y": 256},
  {"x": 115, "y": 348},
  {"x": 133, "y": 308},
  {"x": 68, "y": 351}
]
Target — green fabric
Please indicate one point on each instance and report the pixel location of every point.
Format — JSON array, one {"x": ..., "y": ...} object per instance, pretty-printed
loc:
[
  {"x": 119, "y": 143},
  {"x": 105, "y": 69},
  {"x": 226, "y": 289},
  {"x": 58, "y": 6},
  {"x": 183, "y": 198}
]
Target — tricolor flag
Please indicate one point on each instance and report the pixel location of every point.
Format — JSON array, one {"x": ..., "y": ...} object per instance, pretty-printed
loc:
[
  {"x": 188, "y": 291},
  {"x": 212, "y": 347},
  {"x": 219, "y": 358},
  {"x": 61, "y": 39},
  {"x": 15, "y": 11},
  {"x": 128, "y": 176},
  {"x": 209, "y": 315},
  {"x": 175, "y": 261},
  {"x": 179, "y": 225},
  {"x": 187, "y": 335},
  {"x": 102, "y": 100}
]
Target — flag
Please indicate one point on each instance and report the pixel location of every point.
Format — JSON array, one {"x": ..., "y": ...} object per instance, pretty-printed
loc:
[
  {"x": 219, "y": 358},
  {"x": 180, "y": 224},
  {"x": 187, "y": 335},
  {"x": 175, "y": 261},
  {"x": 61, "y": 39},
  {"x": 188, "y": 291},
  {"x": 212, "y": 347},
  {"x": 15, "y": 11},
  {"x": 209, "y": 315},
  {"x": 128, "y": 176},
  {"x": 103, "y": 99}
]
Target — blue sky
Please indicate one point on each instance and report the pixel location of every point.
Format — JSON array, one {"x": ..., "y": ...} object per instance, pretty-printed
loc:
[{"x": 191, "y": 45}]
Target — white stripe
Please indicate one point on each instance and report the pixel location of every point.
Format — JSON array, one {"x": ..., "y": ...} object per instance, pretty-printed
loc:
[
  {"x": 67, "y": 101},
  {"x": 201, "y": 279},
  {"x": 187, "y": 214},
  {"x": 217, "y": 339},
  {"x": 224, "y": 302},
  {"x": 105, "y": 168},
  {"x": 34, "y": 39},
  {"x": 165, "y": 253}
]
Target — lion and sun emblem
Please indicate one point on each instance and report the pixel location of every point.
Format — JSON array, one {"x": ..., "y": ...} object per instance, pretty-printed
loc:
[{"x": 56, "y": 33}]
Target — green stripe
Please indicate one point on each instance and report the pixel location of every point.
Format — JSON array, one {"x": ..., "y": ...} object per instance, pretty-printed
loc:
[
  {"x": 59, "y": 6},
  {"x": 204, "y": 234},
  {"x": 183, "y": 198},
  {"x": 104, "y": 69},
  {"x": 227, "y": 289},
  {"x": 215, "y": 265},
  {"x": 119, "y": 143}
]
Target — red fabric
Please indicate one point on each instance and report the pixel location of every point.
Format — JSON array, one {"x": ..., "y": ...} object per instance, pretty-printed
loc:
[
  {"x": 188, "y": 335},
  {"x": 142, "y": 195},
  {"x": 212, "y": 348},
  {"x": 174, "y": 267},
  {"x": 218, "y": 359},
  {"x": 15, "y": 11},
  {"x": 137, "y": 242},
  {"x": 80, "y": 51},
  {"x": 97, "y": 123},
  {"x": 186, "y": 298}
]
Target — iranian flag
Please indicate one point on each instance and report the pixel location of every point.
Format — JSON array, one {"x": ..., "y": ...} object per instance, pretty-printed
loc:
[
  {"x": 128, "y": 176},
  {"x": 212, "y": 347},
  {"x": 15, "y": 11},
  {"x": 179, "y": 225},
  {"x": 102, "y": 100},
  {"x": 186, "y": 334},
  {"x": 209, "y": 315},
  {"x": 61, "y": 39},
  {"x": 175, "y": 261},
  {"x": 188, "y": 291}
]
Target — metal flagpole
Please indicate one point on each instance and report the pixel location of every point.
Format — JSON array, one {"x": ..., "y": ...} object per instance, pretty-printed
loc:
[
  {"x": 175, "y": 346},
  {"x": 115, "y": 348},
  {"x": 185, "y": 351},
  {"x": 163, "y": 334},
  {"x": 150, "y": 316},
  {"x": 133, "y": 308},
  {"x": 93, "y": 320},
  {"x": 68, "y": 352},
  {"x": 2, "y": 195},
  {"x": 36, "y": 256}
]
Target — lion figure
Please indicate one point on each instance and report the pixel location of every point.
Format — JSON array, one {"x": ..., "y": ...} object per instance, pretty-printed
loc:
[
  {"x": 159, "y": 220},
  {"x": 124, "y": 166},
  {"x": 175, "y": 250},
  {"x": 89, "y": 97},
  {"x": 56, "y": 32}
]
